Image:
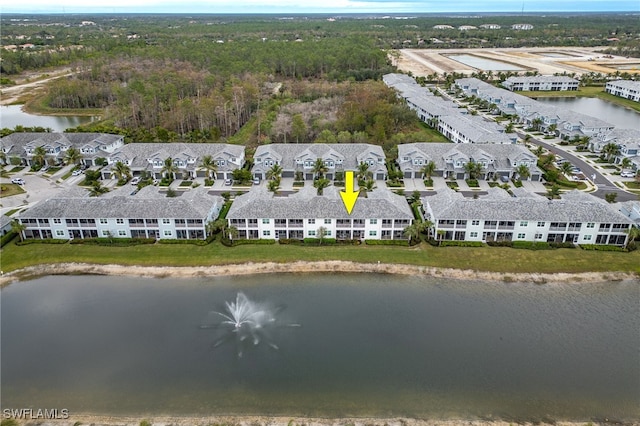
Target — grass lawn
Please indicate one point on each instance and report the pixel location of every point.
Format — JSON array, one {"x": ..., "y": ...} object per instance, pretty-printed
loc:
[
  {"x": 9, "y": 189},
  {"x": 495, "y": 259}
]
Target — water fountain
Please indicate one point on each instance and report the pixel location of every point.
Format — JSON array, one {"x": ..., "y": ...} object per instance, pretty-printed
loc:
[{"x": 247, "y": 323}]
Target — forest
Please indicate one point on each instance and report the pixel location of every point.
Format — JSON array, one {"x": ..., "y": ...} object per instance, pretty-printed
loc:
[{"x": 260, "y": 79}]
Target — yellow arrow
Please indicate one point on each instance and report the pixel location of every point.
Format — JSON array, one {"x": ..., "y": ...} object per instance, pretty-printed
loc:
[{"x": 349, "y": 196}]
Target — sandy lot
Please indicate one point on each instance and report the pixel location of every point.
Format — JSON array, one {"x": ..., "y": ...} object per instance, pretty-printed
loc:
[
  {"x": 546, "y": 61},
  {"x": 28, "y": 83}
]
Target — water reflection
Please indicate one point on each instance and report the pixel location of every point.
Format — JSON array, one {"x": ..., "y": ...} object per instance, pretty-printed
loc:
[{"x": 13, "y": 115}]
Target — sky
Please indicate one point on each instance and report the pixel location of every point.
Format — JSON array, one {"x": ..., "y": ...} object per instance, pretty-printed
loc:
[{"x": 315, "y": 6}]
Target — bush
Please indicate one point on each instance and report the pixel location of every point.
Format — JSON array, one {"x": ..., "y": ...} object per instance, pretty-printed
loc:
[
  {"x": 115, "y": 242},
  {"x": 473, "y": 183},
  {"x": 395, "y": 184},
  {"x": 387, "y": 243},
  {"x": 186, "y": 183},
  {"x": 208, "y": 182},
  {"x": 316, "y": 241},
  {"x": 531, "y": 245},
  {"x": 500, "y": 243},
  {"x": 562, "y": 245},
  {"x": 290, "y": 241},
  {"x": 193, "y": 242},
  {"x": 517, "y": 183},
  {"x": 428, "y": 182},
  {"x": 7, "y": 238},
  {"x": 462, "y": 244},
  {"x": 600, "y": 247},
  {"x": 45, "y": 241},
  {"x": 233, "y": 243}
]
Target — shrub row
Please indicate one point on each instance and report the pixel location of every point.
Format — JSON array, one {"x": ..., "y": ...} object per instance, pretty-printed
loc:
[
  {"x": 531, "y": 245},
  {"x": 387, "y": 243},
  {"x": 45, "y": 241},
  {"x": 562, "y": 245},
  {"x": 115, "y": 242},
  {"x": 462, "y": 244},
  {"x": 600, "y": 247},
  {"x": 232, "y": 243},
  {"x": 318, "y": 242},
  {"x": 7, "y": 238},
  {"x": 209, "y": 239}
]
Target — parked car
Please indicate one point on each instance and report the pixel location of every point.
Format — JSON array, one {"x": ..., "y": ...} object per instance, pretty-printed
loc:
[
  {"x": 228, "y": 182},
  {"x": 627, "y": 174},
  {"x": 256, "y": 181},
  {"x": 76, "y": 173},
  {"x": 135, "y": 180},
  {"x": 17, "y": 181}
]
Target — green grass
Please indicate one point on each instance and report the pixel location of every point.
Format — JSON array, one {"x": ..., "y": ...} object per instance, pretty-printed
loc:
[
  {"x": 9, "y": 189},
  {"x": 10, "y": 212},
  {"x": 495, "y": 259}
]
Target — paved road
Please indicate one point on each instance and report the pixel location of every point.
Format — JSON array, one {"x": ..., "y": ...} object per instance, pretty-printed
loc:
[{"x": 605, "y": 186}]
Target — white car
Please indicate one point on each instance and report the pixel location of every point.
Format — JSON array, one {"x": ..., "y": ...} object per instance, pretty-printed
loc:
[
  {"x": 627, "y": 174},
  {"x": 76, "y": 173},
  {"x": 17, "y": 181},
  {"x": 135, "y": 180}
]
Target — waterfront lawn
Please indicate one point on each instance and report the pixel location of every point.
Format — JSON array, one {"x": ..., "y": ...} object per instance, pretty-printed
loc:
[{"x": 494, "y": 259}]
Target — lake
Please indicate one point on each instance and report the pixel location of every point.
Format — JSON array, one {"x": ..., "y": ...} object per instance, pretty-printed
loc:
[
  {"x": 13, "y": 115},
  {"x": 322, "y": 345},
  {"x": 612, "y": 113},
  {"x": 484, "y": 63}
]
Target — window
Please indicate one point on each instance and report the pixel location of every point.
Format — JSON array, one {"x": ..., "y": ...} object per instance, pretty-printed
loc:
[
  {"x": 60, "y": 232},
  {"x": 57, "y": 221},
  {"x": 327, "y": 232},
  {"x": 311, "y": 221},
  {"x": 265, "y": 221},
  {"x": 538, "y": 236},
  {"x": 521, "y": 236},
  {"x": 373, "y": 233},
  {"x": 120, "y": 221},
  {"x": 166, "y": 221},
  {"x": 167, "y": 233},
  {"x": 475, "y": 222},
  {"x": 373, "y": 221},
  {"x": 524, "y": 223},
  {"x": 312, "y": 233},
  {"x": 105, "y": 233},
  {"x": 103, "y": 221},
  {"x": 541, "y": 224},
  {"x": 327, "y": 221},
  {"x": 587, "y": 238},
  {"x": 123, "y": 233},
  {"x": 266, "y": 233},
  {"x": 473, "y": 235}
]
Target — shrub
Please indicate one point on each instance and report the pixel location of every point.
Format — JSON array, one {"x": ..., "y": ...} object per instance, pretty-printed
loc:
[
  {"x": 208, "y": 182},
  {"x": 562, "y": 245},
  {"x": 7, "y": 238},
  {"x": 45, "y": 241},
  {"x": 428, "y": 182},
  {"x": 473, "y": 183},
  {"x": 517, "y": 183},
  {"x": 462, "y": 244},
  {"x": 233, "y": 243},
  {"x": 500, "y": 243},
  {"x": 531, "y": 245},
  {"x": 193, "y": 242},
  {"x": 290, "y": 241},
  {"x": 186, "y": 183},
  {"x": 317, "y": 241},
  {"x": 115, "y": 242}
]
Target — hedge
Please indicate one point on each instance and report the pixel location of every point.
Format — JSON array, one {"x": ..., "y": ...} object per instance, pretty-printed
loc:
[
  {"x": 44, "y": 241},
  {"x": 115, "y": 242},
  {"x": 7, "y": 238},
  {"x": 500, "y": 243},
  {"x": 209, "y": 239},
  {"x": 318, "y": 242},
  {"x": 461, "y": 244},
  {"x": 601, "y": 247},
  {"x": 232, "y": 243},
  {"x": 562, "y": 245},
  {"x": 387, "y": 243},
  {"x": 531, "y": 245}
]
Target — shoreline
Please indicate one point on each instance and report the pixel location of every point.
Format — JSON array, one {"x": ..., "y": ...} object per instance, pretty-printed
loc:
[{"x": 337, "y": 266}]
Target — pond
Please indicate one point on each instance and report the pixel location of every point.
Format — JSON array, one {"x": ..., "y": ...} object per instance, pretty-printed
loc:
[
  {"x": 322, "y": 345},
  {"x": 485, "y": 64},
  {"x": 608, "y": 111},
  {"x": 13, "y": 115}
]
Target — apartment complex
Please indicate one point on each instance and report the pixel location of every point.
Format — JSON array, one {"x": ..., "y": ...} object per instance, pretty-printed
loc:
[
  {"x": 541, "y": 82},
  {"x": 627, "y": 89}
]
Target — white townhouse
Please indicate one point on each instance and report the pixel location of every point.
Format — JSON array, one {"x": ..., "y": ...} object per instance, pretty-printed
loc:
[
  {"x": 535, "y": 83},
  {"x": 433, "y": 107},
  {"x": 628, "y": 89},
  {"x": 631, "y": 209},
  {"x": 522, "y": 27},
  {"x": 450, "y": 160},
  {"x": 22, "y": 146},
  {"x": 187, "y": 157},
  {"x": 575, "y": 124},
  {"x": 490, "y": 26},
  {"x": 148, "y": 214},
  {"x": 627, "y": 141},
  {"x": 259, "y": 214},
  {"x": 577, "y": 218},
  {"x": 474, "y": 129},
  {"x": 301, "y": 158}
]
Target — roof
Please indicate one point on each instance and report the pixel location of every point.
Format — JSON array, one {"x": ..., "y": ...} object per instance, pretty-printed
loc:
[
  {"x": 574, "y": 206},
  {"x": 477, "y": 129},
  {"x": 259, "y": 203},
  {"x": 541, "y": 79},
  {"x": 15, "y": 143},
  {"x": 626, "y": 84},
  {"x": 193, "y": 204}
]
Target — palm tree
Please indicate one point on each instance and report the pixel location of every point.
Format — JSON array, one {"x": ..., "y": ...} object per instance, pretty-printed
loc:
[
  {"x": 363, "y": 171},
  {"x": 548, "y": 160},
  {"x": 169, "y": 169},
  {"x": 121, "y": 171},
  {"x": 39, "y": 155},
  {"x": 428, "y": 169},
  {"x": 72, "y": 156},
  {"x": 274, "y": 173},
  {"x": 553, "y": 192},
  {"x": 97, "y": 189},
  {"x": 539, "y": 151},
  {"x": 18, "y": 227},
  {"x": 610, "y": 150},
  {"x": 319, "y": 168},
  {"x": 634, "y": 234},
  {"x": 368, "y": 185},
  {"x": 427, "y": 226},
  {"x": 441, "y": 233},
  {"x": 523, "y": 172},
  {"x": 209, "y": 165},
  {"x": 321, "y": 184},
  {"x": 626, "y": 163},
  {"x": 274, "y": 185},
  {"x": 566, "y": 168},
  {"x": 473, "y": 169}
]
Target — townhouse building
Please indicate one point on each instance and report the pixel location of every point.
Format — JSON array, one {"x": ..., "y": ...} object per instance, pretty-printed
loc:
[
  {"x": 627, "y": 141},
  {"x": 577, "y": 218},
  {"x": 474, "y": 129},
  {"x": 259, "y": 214},
  {"x": 301, "y": 158},
  {"x": 20, "y": 148},
  {"x": 552, "y": 83},
  {"x": 148, "y": 214},
  {"x": 450, "y": 160},
  {"x": 627, "y": 89},
  {"x": 186, "y": 157}
]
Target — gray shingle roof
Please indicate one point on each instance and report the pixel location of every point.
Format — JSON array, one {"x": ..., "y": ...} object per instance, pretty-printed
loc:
[
  {"x": 574, "y": 206},
  {"x": 15, "y": 143},
  {"x": 258, "y": 203},
  {"x": 193, "y": 204}
]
